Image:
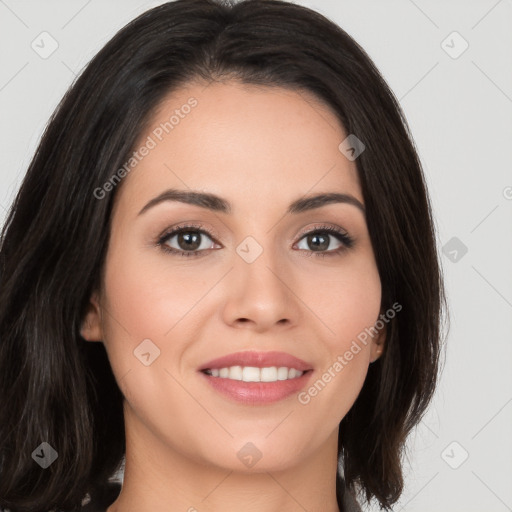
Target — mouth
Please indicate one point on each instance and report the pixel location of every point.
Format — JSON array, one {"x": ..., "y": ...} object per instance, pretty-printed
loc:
[
  {"x": 257, "y": 377},
  {"x": 255, "y": 374},
  {"x": 255, "y": 359}
]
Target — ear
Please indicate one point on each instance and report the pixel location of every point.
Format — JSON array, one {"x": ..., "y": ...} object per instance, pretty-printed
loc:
[
  {"x": 378, "y": 344},
  {"x": 91, "y": 329}
]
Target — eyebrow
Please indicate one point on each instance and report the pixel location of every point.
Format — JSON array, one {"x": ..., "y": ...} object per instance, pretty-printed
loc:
[{"x": 218, "y": 204}]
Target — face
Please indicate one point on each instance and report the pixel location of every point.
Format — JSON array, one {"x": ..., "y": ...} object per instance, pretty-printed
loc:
[{"x": 245, "y": 274}]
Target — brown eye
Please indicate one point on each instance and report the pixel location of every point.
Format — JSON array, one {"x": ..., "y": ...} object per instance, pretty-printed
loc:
[
  {"x": 320, "y": 241},
  {"x": 188, "y": 240}
]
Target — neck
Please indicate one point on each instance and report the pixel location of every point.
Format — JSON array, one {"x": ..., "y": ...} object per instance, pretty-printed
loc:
[{"x": 159, "y": 477}]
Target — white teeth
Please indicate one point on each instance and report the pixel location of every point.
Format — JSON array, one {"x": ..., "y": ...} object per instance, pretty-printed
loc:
[
  {"x": 282, "y": 373},
  {"x": 235, "y": 373},
  {"x": 293, "y": 373},
  {"x": 268, "y": 374},
  {"x": 253, "y": 374}
]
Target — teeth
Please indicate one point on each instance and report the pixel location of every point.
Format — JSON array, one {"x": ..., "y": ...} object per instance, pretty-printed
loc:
[
  {"x": 253, "y": 374},
  {"x": 250, "y": 374},
  {"x": 282, "y": 373}
]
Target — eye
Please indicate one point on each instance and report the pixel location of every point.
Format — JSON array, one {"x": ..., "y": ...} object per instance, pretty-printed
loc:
[
  {"x": 320, "y": 239},
  {"x": 186, "y": 241},
  {"x": 192, "y": 240}
]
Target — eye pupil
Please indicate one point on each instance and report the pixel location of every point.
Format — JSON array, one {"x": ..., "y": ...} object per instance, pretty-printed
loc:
[
  {"x": 321, "y": 246},
  {"x": 187, "y": 237}
]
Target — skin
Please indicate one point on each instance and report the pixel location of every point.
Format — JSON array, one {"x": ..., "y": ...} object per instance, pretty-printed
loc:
[{"x": 260, "y": 148}]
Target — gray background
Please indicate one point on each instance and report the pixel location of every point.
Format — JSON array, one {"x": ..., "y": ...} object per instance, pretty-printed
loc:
[{"x": 459, "y": 108}]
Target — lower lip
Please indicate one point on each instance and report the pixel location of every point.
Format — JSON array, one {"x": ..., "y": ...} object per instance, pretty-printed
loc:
[{"x": 258, "y": 392}]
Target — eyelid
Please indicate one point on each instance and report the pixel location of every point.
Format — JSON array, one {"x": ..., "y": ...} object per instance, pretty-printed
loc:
[
  {"x": 346, "y": 240},
  {"x": 192, "y": 226},
  {"x": 343, "y": 237},
  {"x": 327, "y": 227},
  {"x": 212, "y": 233}
]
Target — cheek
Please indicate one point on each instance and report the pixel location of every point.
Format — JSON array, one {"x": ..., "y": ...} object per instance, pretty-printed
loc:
[
  {"x": 146, "y": 300},
  {"x": 348, "y": 302},
  {"x": 358, "y": 306},
  {"x": 350, "y": 309},
  {"x": 138, "y": 306},
  {"x": 142, "y": 313}
]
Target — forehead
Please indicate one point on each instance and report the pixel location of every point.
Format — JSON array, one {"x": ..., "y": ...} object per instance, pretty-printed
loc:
[{"x": 251, "y": 144}]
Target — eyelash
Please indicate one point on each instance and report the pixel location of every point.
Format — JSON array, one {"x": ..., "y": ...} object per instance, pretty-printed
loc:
[{"x": 346, "y": 240}]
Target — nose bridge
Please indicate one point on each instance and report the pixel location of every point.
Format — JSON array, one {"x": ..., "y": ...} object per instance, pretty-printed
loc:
[
  {"x": 260, "y": 288},
  {"x": 259, "y": 266}
]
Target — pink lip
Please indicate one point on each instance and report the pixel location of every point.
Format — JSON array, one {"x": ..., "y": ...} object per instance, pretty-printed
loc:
[
  {"x": 257, "y": 393},
  {"x": 257, "y": 360}
]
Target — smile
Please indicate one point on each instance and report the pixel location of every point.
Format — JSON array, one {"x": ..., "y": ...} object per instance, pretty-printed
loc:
[{"x": 254, "y": 374}]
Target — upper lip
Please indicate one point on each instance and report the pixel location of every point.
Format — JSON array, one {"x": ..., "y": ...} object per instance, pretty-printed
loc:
[{"x": 257, "y": 360}]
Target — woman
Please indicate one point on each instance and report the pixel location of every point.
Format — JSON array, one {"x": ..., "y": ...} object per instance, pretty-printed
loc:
[{"x": 221, "y": 271}]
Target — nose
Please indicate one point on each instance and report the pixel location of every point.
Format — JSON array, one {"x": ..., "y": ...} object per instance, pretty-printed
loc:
[{"x": 260, "y": 295}]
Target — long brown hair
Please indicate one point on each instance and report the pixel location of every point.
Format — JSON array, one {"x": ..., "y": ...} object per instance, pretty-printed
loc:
[{"x": 54, "y": 387}]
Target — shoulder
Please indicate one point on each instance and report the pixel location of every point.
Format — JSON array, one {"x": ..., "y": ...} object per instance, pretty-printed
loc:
[
  {"x": 350, "y": 503},
  {"x": 101, "y": 498}
]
